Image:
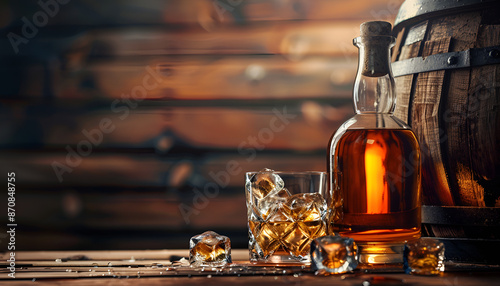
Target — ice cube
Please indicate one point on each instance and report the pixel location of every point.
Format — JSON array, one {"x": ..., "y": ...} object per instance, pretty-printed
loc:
[
  {"x": 307, "y": 206},
  {"x": 283, "y": 193},
  {"x": 269, "y": 206},
  {"x": 334, "y": 254},
  {"x": 271, "y": 203},
  {"x": 265, "y": 183},
  {"x": 209, "y": 249},
  {"x": 281, "y": 212},
  {"x": 424, "y": 256}
]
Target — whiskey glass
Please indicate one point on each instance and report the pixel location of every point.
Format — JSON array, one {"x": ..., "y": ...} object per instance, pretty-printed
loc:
[{"x": 286, "y": 211}]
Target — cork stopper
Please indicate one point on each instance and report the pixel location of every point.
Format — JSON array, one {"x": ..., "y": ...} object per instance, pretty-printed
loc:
[
  {"x": 375, "y": 28},
  {"x": 376, "y": 39}
]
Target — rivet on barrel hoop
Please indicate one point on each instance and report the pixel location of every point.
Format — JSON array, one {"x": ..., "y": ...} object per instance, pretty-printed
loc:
[
  {"x": 452, "y": 60},
  {"x": 494, "y": 53}
]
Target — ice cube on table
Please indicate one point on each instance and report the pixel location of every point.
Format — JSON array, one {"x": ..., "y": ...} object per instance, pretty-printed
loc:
[
  {"x": 424, "y": 256},
  {"x": 209, "y": 249},
  {"x": 265, "y": 183},
  {"x": 334, "y": 254}
]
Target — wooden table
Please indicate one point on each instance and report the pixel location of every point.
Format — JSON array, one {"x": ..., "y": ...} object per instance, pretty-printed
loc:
[{"x": 166, "y": 267}]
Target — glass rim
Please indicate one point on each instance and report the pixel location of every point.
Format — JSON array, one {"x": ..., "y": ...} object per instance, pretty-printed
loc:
[{"x": 292, "y": 172}]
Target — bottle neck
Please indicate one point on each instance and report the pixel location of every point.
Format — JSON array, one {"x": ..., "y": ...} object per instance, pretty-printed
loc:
[{"x": 374, "y": 87}]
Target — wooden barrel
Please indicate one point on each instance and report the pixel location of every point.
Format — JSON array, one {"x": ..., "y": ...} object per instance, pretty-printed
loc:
[{"x": 446, "y": 64}]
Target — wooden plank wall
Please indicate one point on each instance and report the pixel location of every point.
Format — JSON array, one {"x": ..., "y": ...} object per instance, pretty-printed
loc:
[{"x": 130, "y": 124}]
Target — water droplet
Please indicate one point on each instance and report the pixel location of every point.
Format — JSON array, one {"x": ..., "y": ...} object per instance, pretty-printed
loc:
[
  {"x": 110, "y": 264},
  {"x": 95, "y": 264},
  {"x": 295, "y": 275},
  {"x": 161, "y": 273},
  {"x": 209, "y": 276},
  {"x": 58, "y": 260},
  {"x": 184, "y": 262},
  {"x": 132, "y": 259},
  {"x": 275, "y": 277},
  {"x": 33, "y": 280}
]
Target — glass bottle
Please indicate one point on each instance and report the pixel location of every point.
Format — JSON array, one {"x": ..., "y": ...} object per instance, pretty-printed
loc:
[{"x": 374, "y": 160}]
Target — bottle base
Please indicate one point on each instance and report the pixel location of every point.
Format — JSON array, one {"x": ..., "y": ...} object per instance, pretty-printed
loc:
[{"x": 380, "y": 255}]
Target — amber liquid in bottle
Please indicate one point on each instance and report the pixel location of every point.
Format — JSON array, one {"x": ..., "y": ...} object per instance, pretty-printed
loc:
[
  {"x": 374, "y": 160},
  {"x": 377, "y": 173}
]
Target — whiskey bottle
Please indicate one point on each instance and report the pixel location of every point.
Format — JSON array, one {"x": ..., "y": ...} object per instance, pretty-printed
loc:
[{"x": 374, "y": 160}]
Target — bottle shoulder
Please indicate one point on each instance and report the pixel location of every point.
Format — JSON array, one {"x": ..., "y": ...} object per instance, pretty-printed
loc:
[
  {"x": 375, "y": 121},
  {"x": 371, "y": 122}
]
